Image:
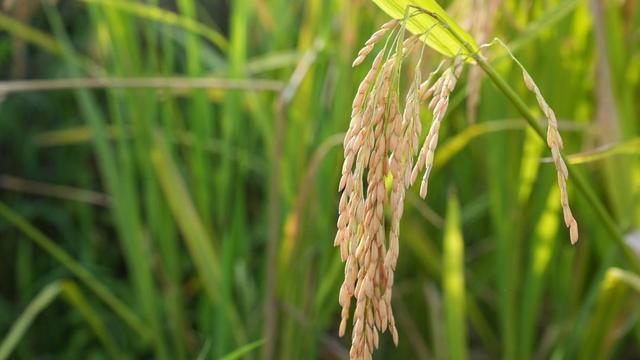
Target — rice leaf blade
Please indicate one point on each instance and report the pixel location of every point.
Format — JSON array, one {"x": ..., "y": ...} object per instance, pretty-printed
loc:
[
  {"x": 43, "y": 299},
  {"x": 453, "y": 283}
]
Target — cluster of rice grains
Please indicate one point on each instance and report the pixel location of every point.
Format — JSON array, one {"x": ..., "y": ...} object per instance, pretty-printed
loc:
[
  {"x": 382, "y": 158},
  {"x": 379, "y": 150}
]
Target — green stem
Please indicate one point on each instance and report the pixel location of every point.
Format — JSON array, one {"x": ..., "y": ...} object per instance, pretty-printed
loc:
[{"x": 581, "y": 184}]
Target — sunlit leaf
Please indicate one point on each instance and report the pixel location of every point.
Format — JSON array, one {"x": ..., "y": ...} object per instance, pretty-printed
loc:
[
  {"x": 438, "y": 37},
  {"x": 629, "y": 147}
]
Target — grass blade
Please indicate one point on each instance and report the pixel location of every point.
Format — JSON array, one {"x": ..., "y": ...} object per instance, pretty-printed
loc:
[
  {"x": 76, "y": 299},
  {"x": 542, "y": 249},
  {"x": 244, "y": 350},
  {"x": 453, "y": 283},
  {"x": 90, "y": 281},
  {"x": 71, "y": 293},
  {"x": 460, "y": 141},
  {"x": 118, "y": 176},
  {"x": 613, "y": 296},
  {"x": 20, "y": 327},
  {"x": 628, "y": 147},
  {"x": 41, "y": 40},
  {"x": 196, "y": 237},
  {"x": 27, "y": 33},
  {"x": 166, "y": 17}
]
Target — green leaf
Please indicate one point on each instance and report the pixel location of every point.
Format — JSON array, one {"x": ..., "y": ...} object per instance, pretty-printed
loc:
[
  {"x": 29, "y": 34},
  {"x": 71, "y": 293},
  {"x": 629, "y": 147},
  {"x": 542, "y": 248},
  {"x": 243, "y": 350},
  {"x": 76, "y": 268},
  {"x": 616, "y": 300},
  {"x": 196, "y": 237},
  {"x": 155, "y": 13},
  {"x": 20, "y": 327},
  {"x": 460, "y": 141},
  {"x": 74, "y": 296},
  {"x": 453, "y": 283},
  {"x": 198, "y": 240},
  {"x": 439, "y": 37}
]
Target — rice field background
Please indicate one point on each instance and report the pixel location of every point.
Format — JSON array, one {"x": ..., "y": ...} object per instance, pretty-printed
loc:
[{"x": 169, "y": 176}]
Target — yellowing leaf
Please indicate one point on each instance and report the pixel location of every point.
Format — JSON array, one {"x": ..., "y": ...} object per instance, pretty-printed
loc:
[{"x": 438, "y": 38}]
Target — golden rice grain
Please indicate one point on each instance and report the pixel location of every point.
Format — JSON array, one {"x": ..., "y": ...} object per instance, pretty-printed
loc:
[
  {"x": 554, "y": 141},
  {"x": 373, "y": 40}
]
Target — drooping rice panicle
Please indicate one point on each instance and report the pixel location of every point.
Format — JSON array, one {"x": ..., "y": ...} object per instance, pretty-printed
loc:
[
  {"x": 439, "y": 93},
  {"x": 554, "y": 141},
  {"x": 382, "y": 140},
  {"x": 361, "y": 233}
]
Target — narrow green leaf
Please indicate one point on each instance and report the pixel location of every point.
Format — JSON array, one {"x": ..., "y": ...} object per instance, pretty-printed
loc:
[
  {"x": 42, "y": 40},
  {"x": 545, "y": 234},
  {"x": 244, "y": 350},
  {"x": 73, "y": 295},
  {"x": 613, "y": 299},
  {"x": 628, "y": 147},
  {"x": 530, "y": 164},
  {"x": 457, "y": 143},
  {"x": 20, "y": 327},
  {"x": 166, "y": 17},
  {"x": 453, "y": 283},
  {"x": 27, "y": 33},
  {"x": 197, "y": 239},
  {"x": 87, "y": 278}
]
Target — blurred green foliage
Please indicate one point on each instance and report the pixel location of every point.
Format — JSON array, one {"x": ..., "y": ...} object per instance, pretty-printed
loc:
[{"x": 178, "y": 223}]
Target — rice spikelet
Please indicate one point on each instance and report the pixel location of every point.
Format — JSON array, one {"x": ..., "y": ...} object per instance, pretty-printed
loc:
[{"x": 373, "y": 40}]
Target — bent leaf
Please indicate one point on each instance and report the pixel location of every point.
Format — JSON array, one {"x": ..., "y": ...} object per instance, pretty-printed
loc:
[
  {"x": 438, "y": 37},
  {"x": 24, "y": 321},
  {"x": 629, "y": 147}
]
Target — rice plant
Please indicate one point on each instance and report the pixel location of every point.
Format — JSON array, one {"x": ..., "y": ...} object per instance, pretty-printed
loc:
[{"x": 259, "y": 178}]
